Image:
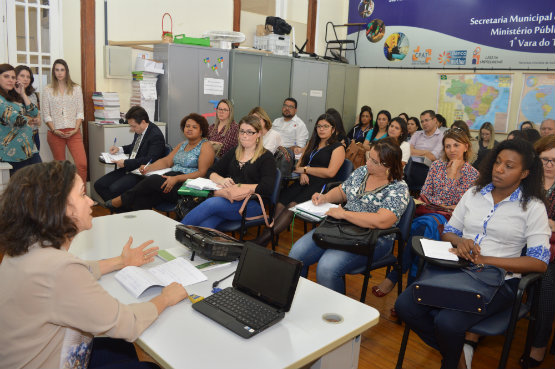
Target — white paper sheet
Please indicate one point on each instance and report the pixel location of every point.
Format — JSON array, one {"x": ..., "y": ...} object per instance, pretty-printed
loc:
[
  {"x": 438, "y": 249},
  {"x": 317, "y": 210},
  {"x": 112, "y": 158},
  {"x": 202, "y": 184},
  {"x": 214, "y": 86},
  {"x": 159, "y": 172},
  {"x": 136, "y": 280}
]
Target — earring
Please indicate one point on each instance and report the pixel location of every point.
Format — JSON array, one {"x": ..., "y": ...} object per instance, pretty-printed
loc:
[{"x": 387, "y": 172}]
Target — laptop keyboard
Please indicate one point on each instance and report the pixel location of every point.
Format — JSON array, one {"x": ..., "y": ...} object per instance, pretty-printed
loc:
[{"x": 245, "y": 310}]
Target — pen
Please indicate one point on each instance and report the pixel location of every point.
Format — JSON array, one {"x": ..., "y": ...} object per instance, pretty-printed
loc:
[
  {"x": 147, "y": 164},
  {"x": 322, "y": 191},
  {"x": 115, "y": 140}
]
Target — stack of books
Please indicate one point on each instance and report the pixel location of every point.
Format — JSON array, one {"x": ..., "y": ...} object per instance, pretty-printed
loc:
[
  {"x": 106, "y": 107},
  {"x": 144, "y": 91}
]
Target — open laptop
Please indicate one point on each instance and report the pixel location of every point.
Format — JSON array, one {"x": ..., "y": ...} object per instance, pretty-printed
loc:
[{"x": 263, "y": 289}]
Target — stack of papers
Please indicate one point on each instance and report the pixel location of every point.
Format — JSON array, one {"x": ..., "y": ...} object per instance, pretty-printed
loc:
[
  {"x": 318, "y": 211},
  {"x": 144, "y": 91},
  {"x": 137, "y": 280},
  {"x": 159, "y": 172},
  {"x": 106, "y": 107},
  {"x": 203, "y": 184}
]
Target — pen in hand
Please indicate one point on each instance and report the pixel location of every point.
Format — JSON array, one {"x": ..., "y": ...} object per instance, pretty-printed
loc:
[
  {"x": 147, "y": 164},
  {"x": 321, "y": 192},
  {"x": 115, "y": 140}
]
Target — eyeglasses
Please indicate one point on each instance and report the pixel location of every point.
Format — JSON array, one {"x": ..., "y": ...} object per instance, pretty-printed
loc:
[
  {"x": 547, "y": 161},
  {"x": 289, "y": 106},
  {"x": 375, "y": 161},
  {"x": 456, "y": 130},
  {"x": 426, "y": 120},
  {"x": 248, "y": 133},
  {"x": 222, "y": 109},
  {"x": 323, "y": 126}
]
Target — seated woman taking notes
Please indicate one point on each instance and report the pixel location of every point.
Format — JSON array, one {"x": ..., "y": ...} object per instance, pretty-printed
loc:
[
  {"x": 188, "y": 160},
  {"x": 249, "y": 165},
  {"x": 376, "y": 197},
  {"x": 52, "y": 306}
]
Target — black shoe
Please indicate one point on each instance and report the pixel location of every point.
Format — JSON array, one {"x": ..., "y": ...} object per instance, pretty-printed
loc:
[
  {"x": 528, "y": 362},
  {"x": 108, "y": 205}
]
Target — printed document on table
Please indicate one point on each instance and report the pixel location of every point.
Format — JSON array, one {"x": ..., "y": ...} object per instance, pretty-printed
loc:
[
  {"x": 137, "y": 280},
  {"x": 112, "y": 158},
  {"x": 438, "y": 249}
]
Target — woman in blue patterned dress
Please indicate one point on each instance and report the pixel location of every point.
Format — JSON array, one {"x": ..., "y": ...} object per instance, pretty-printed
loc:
[
  {"x": 376, "y": 197},
  {"x": 190, "y": 159}
]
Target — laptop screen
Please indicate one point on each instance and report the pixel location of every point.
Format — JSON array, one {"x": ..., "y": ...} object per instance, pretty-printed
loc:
[{"x": 268, "y": 276}]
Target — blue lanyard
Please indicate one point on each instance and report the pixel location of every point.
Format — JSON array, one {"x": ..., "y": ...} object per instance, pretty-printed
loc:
[
  {"x": 359, "y": 133},
  {"x": 312, "y": 154}
]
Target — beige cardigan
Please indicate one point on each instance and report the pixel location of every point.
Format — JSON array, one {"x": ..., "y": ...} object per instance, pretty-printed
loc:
[{"x": 51, "y": 306}]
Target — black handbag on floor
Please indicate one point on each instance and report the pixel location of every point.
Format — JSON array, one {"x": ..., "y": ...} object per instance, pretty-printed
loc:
[
  {"x": 342, "y": 235},
  {"x": 468, "y": 289}
]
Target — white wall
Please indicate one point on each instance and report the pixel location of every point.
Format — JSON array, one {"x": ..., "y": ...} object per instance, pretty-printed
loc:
[{"x": 335, "y": 11}]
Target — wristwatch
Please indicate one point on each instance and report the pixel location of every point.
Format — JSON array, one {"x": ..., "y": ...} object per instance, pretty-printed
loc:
[{"x": 304, "y": 170}]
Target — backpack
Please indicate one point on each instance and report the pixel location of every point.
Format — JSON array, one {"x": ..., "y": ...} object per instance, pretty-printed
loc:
[{"x": 284, "y": 161}]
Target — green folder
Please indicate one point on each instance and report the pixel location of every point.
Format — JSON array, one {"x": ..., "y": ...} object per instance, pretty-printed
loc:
[{"x": 187, "y": 191}]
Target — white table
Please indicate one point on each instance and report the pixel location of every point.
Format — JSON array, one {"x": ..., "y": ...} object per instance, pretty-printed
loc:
[{"x": 182, "y": 337}]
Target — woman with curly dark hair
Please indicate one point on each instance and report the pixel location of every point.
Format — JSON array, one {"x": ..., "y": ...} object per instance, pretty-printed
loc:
[
  {"x": 51, "y": 305},
  {"x": 492, "y": 224}
]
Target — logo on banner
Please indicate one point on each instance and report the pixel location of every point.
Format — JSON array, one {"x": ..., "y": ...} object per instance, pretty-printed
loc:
[
  {"x": 476, "y": 56},
  {"x": 452, "y": 57},
  {"x": 421, "y": 57}
]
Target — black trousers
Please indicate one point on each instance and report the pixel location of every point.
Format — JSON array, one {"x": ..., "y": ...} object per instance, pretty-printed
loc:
[
  {"x": 148, "y": 193},
  {"x": 115, "y": 183}
]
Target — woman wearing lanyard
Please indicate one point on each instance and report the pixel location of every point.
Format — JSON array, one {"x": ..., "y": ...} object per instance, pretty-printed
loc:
[
  {"x": 319, "y": 165},
  {"x": 62, "y": 107},
  {"x": 359, "y": 131}
]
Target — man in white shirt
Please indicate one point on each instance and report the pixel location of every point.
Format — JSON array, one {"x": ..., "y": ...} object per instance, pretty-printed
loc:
[
  {"x": 547, "y": 127},
  {"x": 291, "y": 128}
]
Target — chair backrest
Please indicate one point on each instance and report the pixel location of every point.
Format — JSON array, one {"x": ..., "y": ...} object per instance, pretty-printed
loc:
[
  {"x": 345, "y": 171},
  {"x": 168, "y": 149},
  {"x": 277, "y": 185},
  {"x": 406, "y": 220}
]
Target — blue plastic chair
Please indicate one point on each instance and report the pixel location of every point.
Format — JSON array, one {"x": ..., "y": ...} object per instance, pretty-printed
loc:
[{"x": 242, "y": 225}]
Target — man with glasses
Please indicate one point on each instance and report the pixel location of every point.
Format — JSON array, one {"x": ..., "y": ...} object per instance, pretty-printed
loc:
[
  {"x": 547, "y": 127},
  {"x": 425, "y": 146},
  {"x": 148, "y": 145},
  {"x": 290, "y": 127}
]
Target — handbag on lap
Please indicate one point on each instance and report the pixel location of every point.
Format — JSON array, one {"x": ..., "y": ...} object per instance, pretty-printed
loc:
[
  {"x": 342, "y": 235},
  {"x": 468, "y": 289}
]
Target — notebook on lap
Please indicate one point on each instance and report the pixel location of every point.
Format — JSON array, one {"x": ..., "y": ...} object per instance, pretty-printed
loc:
[{"x": 263, "y": 289}]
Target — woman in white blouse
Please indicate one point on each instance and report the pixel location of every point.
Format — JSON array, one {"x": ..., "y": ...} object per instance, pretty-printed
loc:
[
  {"x": 62, "y": 109},
  {"x": 270, "y": 138}
]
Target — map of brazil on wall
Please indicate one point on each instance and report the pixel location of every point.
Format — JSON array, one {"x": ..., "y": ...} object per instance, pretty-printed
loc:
[
  {"x": 537, "y": 99},
  {"x": 476, "y": 99}
]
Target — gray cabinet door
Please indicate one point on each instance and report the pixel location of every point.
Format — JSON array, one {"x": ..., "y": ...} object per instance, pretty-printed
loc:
[
  {"x": 274, "y": 84},
  {"x": 211, "y": 72},
  {"x": 317, "y": 93},
  {"x": 336, "y": 86},
  {"x": 244, "y": 82},
  {"x": 300, "y": 77},
  {"x": 350, "y": 99},
  {"x": 180, "y": 78}
]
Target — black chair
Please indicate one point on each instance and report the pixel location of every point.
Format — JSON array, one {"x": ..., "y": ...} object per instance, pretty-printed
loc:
[
  {"x": 415, "y": 175},
  {"x": 401, "y": 232},
  {"x": 166, "y": 207},
  {"x": 337, "y": 46},
  {"x": 242, "y": 225},
  {"x": 502, "y": 323},
  {"x": 342, "y": 174}
]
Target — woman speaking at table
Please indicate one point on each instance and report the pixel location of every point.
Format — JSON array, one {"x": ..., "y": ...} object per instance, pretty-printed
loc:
[{"x": 51, "y": 305}]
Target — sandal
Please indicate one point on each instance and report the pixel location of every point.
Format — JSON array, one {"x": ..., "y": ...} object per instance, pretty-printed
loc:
[
  {"x": 528, "y": 362},
  {"x": 377, "y": 292}
]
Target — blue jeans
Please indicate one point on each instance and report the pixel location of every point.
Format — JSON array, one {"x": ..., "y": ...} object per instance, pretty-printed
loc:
[
  {"x": 333, "y": 264},
  {"x": 216, "y": 210},
  {"x": 16, "y": 165}
]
